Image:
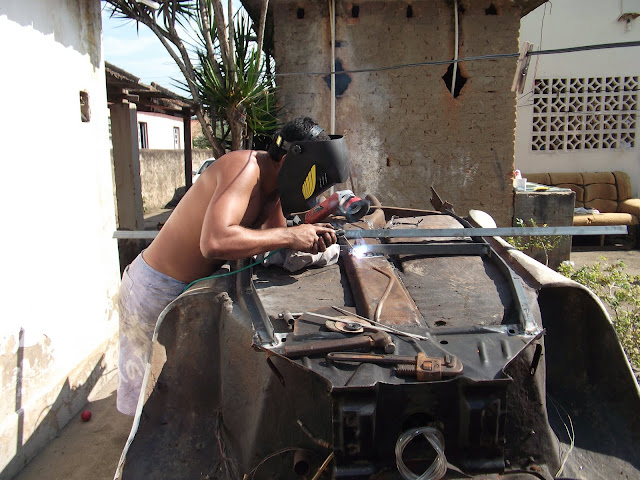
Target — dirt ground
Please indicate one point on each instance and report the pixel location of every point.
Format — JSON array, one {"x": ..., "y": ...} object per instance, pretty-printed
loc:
[
  {"x": 91, "y": 450},
  {"x": 85, "y": 450}
]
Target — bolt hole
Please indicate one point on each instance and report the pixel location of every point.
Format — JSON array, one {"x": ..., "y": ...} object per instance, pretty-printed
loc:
[
  {"x": 440, "y": 323},
  {"x": 512, "y": 331},
  {"x": 444, "y": 342},
  {"x": 300, "y": 13},
  {"x": 355, "y": 11},
  {"x": 409, "y": 11}
]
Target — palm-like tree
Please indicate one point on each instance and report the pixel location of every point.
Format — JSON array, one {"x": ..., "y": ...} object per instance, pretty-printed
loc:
[{"x": 233, "y": 94}]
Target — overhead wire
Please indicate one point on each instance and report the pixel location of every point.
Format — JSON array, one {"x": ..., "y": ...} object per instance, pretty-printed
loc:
[{"x": 494, "y": 56}]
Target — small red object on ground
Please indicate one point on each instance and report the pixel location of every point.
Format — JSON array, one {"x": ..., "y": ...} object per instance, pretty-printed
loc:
[{"x": 85, "y": 415}]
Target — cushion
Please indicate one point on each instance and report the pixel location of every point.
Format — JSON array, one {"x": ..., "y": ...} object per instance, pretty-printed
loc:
[
  {"x": 604, "y": 219},
  {"x": 602, "y": 205},
  {"x": 598, "y": 177},
  {"x": 631, "y": 205},
  {"x": 624, "y": 186},
  {"x": 601, "y": 191},
  {"x": 566, "y": 177}
]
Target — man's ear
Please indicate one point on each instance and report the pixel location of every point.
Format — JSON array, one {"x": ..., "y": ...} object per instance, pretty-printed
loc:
[{"x": 282, "y": 159}]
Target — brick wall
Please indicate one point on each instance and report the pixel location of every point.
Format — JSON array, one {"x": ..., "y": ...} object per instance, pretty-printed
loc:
[{"x": 404, "y": 129}]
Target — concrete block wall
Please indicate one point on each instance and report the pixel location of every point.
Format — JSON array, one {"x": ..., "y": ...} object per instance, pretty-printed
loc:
[
  {"x": 404, "y": 128},
  {"x": 162, "y": 173}
]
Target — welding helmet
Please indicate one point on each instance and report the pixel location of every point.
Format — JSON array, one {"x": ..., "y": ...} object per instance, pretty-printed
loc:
[{"x": 309, "y": 168}]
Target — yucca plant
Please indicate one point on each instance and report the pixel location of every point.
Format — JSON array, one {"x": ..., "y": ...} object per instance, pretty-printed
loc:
[
  {"x": 240, "y": 99},
  {"x": 229, "y": 85}
]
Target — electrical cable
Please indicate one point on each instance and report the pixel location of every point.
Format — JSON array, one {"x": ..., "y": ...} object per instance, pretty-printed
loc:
[
  {"x": 495, "y": 56},
  {"x": 257, "y": 262}
]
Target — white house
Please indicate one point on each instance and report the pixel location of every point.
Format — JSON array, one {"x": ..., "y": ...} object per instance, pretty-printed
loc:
[
  {"x": 579, "y": 111},
  {"x": 160, "y": 124},
  {"x": 59, "y": 260},
  {"x": 159, "y": 131}
]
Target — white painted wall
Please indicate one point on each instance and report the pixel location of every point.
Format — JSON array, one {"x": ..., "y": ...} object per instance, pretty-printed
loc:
[
  {"x": 59, "y": 262},
  {"x": 569, "y": 23},
  {"x": 160, "y": 130}
]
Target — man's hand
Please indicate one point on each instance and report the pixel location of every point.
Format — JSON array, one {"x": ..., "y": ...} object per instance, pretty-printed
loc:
[{"x": 312, "y": 238}]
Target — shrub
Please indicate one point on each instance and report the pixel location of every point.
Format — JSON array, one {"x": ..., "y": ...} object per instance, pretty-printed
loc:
[
  {"x": 537, "y": 247},
  {"x": 620, "y": 292}
]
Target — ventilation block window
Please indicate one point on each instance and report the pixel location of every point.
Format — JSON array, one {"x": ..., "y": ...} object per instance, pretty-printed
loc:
[{"x": 584, "y": 113}]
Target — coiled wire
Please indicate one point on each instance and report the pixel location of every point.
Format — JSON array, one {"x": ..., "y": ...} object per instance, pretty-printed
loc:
[{"x": 438, "y": 467}]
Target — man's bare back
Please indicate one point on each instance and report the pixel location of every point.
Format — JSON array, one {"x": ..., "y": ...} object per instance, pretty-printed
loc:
[{"x": 220, "y": 219}]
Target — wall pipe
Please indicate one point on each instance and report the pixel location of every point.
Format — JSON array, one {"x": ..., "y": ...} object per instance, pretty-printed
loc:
[
  {"x": 455, "y": 53},
  {"x": 332, "y": 15}
]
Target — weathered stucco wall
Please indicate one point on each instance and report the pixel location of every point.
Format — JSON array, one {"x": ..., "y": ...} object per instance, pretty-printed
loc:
[
  {"x": 162, "y": 174},
  {"x": 59, "y": 262},
  {"x": 404, "y": 129}
]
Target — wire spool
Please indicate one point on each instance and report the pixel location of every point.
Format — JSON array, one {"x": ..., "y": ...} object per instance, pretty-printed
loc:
[{"x": 438, "y": 467}]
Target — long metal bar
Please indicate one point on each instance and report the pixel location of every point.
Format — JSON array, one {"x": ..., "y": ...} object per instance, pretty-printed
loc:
[
  {"x": 439, "y": 232},
  {"x": 135, "y": 234},
  {"x": 485, "y": 232}
]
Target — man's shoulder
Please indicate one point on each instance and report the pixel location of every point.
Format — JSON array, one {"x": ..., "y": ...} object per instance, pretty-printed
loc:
[
  {"x": 238, "y": 163},
  {"x": 237, "y": 158}
]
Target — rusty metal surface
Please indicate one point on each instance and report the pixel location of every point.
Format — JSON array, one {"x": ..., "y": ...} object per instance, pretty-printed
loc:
[
  {"x": 454, "y": 291},
  {"x": 378, "y": 292},
  {"x": 221, "y": 405},
  {"x": 309, "y": 289}
]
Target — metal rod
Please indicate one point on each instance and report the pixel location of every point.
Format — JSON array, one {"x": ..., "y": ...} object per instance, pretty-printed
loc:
[
  {"x": 135, "y": 234},
  {"x": 441, "y": 232},
  {"x": 485, "y": 232}
]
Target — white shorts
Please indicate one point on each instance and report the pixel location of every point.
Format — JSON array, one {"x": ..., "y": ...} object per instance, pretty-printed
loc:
[{"x": 144, "y": 292}]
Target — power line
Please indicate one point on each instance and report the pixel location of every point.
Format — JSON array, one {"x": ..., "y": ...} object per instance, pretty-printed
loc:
[{"x": 469, "y": 59}]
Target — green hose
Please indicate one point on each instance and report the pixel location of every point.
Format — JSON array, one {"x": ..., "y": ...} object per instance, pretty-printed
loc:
[{"x": 230, "y": 273}]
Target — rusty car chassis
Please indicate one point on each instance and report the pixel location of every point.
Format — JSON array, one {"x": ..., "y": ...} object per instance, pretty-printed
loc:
[{"x": 440, "y": 357}]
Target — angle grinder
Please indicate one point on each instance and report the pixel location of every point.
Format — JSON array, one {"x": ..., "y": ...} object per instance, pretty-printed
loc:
[{"x": 343, "y": 202}]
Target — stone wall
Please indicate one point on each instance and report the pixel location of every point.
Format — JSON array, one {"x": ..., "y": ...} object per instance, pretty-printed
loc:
[
  {"x": 162, "y": 173},
  {"x": 404, "y": 128}
]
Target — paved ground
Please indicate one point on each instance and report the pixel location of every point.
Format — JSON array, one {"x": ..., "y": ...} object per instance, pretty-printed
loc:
[{"x": 90, "y": 450}]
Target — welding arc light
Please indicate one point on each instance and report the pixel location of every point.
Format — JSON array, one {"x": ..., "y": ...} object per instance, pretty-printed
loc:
[{"x": 359, "y": 251}]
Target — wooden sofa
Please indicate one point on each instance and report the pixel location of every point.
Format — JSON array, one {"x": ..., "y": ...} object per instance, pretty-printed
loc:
[{"x": 608, "y": 192}]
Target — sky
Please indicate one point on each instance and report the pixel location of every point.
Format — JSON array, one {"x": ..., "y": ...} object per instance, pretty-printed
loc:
[{"x": 138, "y": 51}]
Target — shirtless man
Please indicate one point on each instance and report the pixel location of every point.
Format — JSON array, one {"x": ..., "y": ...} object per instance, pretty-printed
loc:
[{"x": 232, "y": 212}]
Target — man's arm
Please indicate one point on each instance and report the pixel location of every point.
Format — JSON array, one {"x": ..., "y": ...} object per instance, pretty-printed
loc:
[
  {"x": 275, "y": 217},
  {"x": 223, "y": 235}
]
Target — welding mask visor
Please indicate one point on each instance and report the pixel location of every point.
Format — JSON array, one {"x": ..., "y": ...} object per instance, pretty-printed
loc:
[{"x": 309, "y": 168}]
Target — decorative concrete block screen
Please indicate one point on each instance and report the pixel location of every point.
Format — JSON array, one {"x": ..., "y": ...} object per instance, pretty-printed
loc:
[{"x": 584, "y": 113}]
